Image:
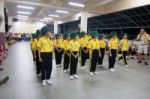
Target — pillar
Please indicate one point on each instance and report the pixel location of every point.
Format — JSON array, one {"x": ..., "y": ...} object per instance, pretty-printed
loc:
[
  {"x": 83, "y": 23},
  {"x": 55, "y": 26},
  {"x": 2, "y": 26}
]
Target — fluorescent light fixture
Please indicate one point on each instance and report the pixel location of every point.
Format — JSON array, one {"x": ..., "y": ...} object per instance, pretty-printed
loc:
[
  {"x": 105, "y": 2},
  {"x": 61, "y": 11},
  {"x": 23, "y": 16},
  {"x": 43, "y": 20},
  {"x": 25, "y": 7},
  {"x": 48, "y": 18},
  {"x": 76, "y": 4},
  {"x": 54, "y": 16},
  {"x": 22, "y": 12}
]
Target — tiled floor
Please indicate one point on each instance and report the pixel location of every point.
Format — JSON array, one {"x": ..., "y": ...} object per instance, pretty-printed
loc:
[{"x": 125, "y": 83}]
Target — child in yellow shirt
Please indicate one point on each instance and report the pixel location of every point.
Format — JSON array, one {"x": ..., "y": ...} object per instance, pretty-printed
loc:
[{"x": 113, "y": 45}]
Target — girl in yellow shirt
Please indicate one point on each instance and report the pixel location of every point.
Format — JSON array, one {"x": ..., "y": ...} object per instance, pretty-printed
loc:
[
  {"x": 113, "y": 45},
  {"x": 45, "y": 45},
  {"x": 58, "y": 49},
  {"x": 93, "y": 47},
  {"x": 124, "y": 45},
  {"x": 83, "y": 51},
  {"x": 74, "y": 46},
  {"x": 102, "y": 49},
  {"x": 33, "y": 46},
  {"x": 66, "y": 49},
  {"x": 38, "y": 63}
]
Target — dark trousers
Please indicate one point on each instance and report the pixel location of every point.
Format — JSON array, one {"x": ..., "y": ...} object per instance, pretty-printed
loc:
[
  {"x": 66, "y": 60},
  {"x": 94, "y": 60},
  {"x": 112, "y": 59},
  {"x": 38, "y": 64},
  {"x": 124, "y": 55},
  {"x": 58, "y": 56},
  {"x": 33, "y": 56},
  {"x": 83, "y": 56},
  {"x": 46, "y": 65},
  {"x": 73, "y": 64},
  {"x": 88, "y": 55},
  {"x": 100, "y": 60}
]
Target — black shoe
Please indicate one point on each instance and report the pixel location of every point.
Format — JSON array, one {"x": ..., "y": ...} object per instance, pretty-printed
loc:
[
  {"x": 4, "y": 80},
  {"x": 145, "y": 63},
  {"x": 139, "y": 61}
]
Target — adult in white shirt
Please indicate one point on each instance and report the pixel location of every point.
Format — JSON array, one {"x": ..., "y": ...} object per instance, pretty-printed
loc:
[{"x": 143, "y": 39}]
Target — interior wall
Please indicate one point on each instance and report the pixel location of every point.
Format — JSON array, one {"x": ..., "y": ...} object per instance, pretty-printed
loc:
[{"x": 24, "y": 27}]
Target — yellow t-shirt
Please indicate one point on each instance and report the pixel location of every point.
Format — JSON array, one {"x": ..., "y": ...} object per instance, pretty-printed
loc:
[
  {"x": 65, "y": 45},
  {"x": 124, "y": 45},
  {"x": 102, "y": 43},
  {"x": 33, "y": 43},
  {"x": 58, "y": 43},
  {"x": 94, "y": 44},
  {"x": 45, "y": 44},
  {"x": 84, "y": 42},
  {"x": 87, "y": 37},
  {"x": 74, "y": 45},
  {"x": 113, "y": 44}
]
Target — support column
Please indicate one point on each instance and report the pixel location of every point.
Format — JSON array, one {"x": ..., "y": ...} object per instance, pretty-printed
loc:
[
  {"x": 2, "y": 26},
  {"x": 55, "y": 26},
  {"x": 83, "y": 24}
]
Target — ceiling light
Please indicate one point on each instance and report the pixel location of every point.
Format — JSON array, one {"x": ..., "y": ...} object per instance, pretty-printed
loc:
[
  {"x": 105, "y": 2},
  {"x": 61, "y": 11},
  {"x": 21, "y": 12},
  {"x": 54, "y": 16},
  {"x": 25, "y": 7},
  {"x": 23, "y": 16},
  {"x": 43, "y": 20},
  {"x": 48, "y": 18},
  {"x": 76, "y": 4}
]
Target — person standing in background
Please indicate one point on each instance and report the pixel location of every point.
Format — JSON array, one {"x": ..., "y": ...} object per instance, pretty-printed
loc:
[
  {"x": 143, "y": 39},
  {"x": 46, "y": 47}
]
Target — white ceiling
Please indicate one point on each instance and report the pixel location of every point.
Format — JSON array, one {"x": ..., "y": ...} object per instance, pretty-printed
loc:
[{"x": 45, "y": 7}]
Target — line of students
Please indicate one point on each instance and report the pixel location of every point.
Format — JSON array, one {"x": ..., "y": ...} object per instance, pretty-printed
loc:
[{"x": 70, "y": 47}]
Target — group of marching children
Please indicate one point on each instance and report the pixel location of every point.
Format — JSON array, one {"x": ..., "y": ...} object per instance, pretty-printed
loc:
[{"x": 69, "y": 48}]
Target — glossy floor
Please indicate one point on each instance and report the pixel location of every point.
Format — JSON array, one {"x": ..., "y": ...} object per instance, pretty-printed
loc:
[{"x": 125, "y": 83}]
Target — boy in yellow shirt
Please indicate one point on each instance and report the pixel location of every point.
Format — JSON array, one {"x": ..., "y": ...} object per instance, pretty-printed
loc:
[
  {"x": 124, "y": 45},
  {"x": 113, "y": 45},
  {"x": 74, "y": 46},
  {"x": 93, "y": 47},
  {"x": 102, "y": 49},
  {"x": 46, "y": 46},
  {"x": 66, "y": 49},
  {"x": 58, "y": 49}
]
